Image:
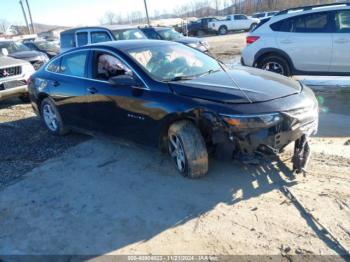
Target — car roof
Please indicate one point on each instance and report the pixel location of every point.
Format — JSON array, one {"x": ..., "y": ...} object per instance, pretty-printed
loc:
[
  {"x": 72, "y": 30},
  {"x": 125, "y": 45},
  {"x": 120, "y": 27}
]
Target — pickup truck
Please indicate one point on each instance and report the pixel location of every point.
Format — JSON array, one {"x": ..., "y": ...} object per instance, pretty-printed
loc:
[
  {"x": 234, "y": 22},
  {"x": 200, "y": 26}
]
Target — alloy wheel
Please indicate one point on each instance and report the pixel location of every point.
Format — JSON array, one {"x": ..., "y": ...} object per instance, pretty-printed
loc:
[
  {"x": 50, "y": 118},
  {"x": 274, "y": 67},
  {"x": 177, "y": 152}
]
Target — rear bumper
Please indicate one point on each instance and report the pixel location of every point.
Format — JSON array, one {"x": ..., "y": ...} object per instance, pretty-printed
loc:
[{"x": 16, "y": 91}]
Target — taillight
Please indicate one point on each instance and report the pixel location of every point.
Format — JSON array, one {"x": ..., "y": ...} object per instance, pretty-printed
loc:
[{"x": 252, "y": 39}]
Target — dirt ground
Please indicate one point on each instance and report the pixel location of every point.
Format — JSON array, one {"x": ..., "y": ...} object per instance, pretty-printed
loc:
[{"x": 95, "y": 196}]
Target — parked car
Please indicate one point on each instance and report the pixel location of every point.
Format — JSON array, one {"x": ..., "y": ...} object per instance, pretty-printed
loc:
[
  {"x": 126, "y": 32},
  {"x": 89, "y": 35},
  {"x": 14, "y": 74},
  {"x": 313, "y": 40},
  {"x": 169, "y": 34},
  {"x": 20, "y": 51},
  {"x": 233, "y": 22},
  {"x": 49, "y": 48},
  {"x": 262, "y": 15},
  {"x": 175, "y": 97},
  {"x": 82, "y": 36},
  {"x": 200, "y": 27}
]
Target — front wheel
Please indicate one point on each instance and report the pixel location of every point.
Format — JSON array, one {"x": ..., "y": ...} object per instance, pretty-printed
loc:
[
  {"x": 187, "y": 149},
  {"x": 275, "y": 64},
  {"x": 52, "y": 118}
]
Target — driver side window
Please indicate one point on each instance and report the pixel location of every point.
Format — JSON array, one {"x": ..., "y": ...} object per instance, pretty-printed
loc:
[{"x": 106, "y": 65}]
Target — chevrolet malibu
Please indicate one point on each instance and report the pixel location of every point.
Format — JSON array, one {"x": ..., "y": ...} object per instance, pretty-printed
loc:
[{"x": 179, "y": 99}]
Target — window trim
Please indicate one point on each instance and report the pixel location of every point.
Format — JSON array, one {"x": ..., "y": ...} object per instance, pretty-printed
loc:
[
  {"x": 330, "y": 17},
  {"x": 145, "y": 87}
]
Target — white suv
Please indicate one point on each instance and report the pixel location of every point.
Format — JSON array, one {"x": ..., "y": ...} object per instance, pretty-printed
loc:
[{"x": 313, "y": 40}]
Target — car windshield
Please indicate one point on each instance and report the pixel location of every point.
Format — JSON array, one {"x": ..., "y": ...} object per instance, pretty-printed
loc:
[
  {"x": 13, "y": 47},
  {"x": 173, "y": 62},
  {"x": 128, "y": 34},
  {"x": 169, "y": 34},
  {"x": 47, "y": 46}
]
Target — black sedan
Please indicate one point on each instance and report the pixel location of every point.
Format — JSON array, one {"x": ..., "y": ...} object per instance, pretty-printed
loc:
[
  {"x": 168, "y": 95},
  {"x": 49, "y": 48}
]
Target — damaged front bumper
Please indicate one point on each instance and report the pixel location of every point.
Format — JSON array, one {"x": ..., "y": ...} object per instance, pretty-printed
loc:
[{"x": 272, "y": 133}]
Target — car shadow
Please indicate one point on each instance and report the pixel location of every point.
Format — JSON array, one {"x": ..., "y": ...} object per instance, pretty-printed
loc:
[{"x": 105, "y": 195}]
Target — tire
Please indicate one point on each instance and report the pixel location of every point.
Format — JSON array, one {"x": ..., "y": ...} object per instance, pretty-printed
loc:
[
  {"x": 276, "y": 64},
  {"x": 200, "y": 33},
  {"x": 222, "y": 30},
  {"x": 24, "y": 98},
  {"x": 56, "y": 127},
  {"x": 252, "y": 27},
  {"x": 187, "y": 138}
]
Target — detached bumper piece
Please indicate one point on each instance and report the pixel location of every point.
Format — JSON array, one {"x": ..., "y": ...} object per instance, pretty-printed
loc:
[
  {"x": 301, "y": 155},
  {"x": 295, "y": 126}
]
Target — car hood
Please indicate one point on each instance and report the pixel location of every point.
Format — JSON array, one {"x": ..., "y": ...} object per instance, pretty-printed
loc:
[
  {"x": 188, "y": 40},
  {"x": 26, "y": 54},
  {"x": 239, "y": 85},
  {"x": 6, "y": 61}
]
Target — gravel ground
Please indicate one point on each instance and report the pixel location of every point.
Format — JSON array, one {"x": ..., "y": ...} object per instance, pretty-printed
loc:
[{"x": 24, "y": 142}]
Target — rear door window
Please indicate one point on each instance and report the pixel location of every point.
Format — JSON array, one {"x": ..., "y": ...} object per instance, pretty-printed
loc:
[
  {"x": 74, "y": 64},
  {"x": 309, "y": 23},
  {"x": 67, "y": 40},
  {"x": 342, "y": 21},
  {"x": 100, "y": 36},
  {"x": 82, "y": 38}
]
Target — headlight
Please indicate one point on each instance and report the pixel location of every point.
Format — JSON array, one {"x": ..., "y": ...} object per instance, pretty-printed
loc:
[
  {"x": 205, "y": 43},
  {"x": 27, "y": 69},
  {"x": 198, "y": 46},
  {"x": 45, "y": 58},
  {"x": 252, "y": 121}
]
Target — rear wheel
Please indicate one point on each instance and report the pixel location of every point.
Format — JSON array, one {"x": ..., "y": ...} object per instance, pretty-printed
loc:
[
  {"x": 275, "y": 64},
  {"x": 222, "y": 30},
  {"x": 187, "y": 149},
  {"x": 52, "y": 118}
]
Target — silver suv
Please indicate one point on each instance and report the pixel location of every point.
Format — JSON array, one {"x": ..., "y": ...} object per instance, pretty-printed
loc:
[
  {"x": 14, "y": 74},
  {"x": 312, "y": 40}
]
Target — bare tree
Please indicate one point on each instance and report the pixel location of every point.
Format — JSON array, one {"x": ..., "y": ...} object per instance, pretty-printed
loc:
[{"x": 4, "y": 24}]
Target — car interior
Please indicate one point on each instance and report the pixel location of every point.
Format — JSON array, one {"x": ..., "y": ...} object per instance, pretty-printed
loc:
[{"x": 107, "y": 66}]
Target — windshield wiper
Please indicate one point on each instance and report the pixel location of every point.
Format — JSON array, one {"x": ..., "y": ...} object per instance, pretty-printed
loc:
[
  {"x": 209, "y": 72},
  {"x": 180, "y": 78}
]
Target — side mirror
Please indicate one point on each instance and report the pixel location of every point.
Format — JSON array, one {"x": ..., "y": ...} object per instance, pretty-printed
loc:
[
  {"x": 125, "y": 80},
  {"x": 4, "y": 51}
]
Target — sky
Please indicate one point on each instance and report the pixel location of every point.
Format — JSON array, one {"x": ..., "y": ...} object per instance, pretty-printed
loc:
[{"x": 78, "y": 12}]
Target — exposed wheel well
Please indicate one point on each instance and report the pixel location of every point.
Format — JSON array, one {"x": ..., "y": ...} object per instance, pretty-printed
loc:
[
  {"x": 41, "y": 97},
  {"x": 164, "y": 132}
]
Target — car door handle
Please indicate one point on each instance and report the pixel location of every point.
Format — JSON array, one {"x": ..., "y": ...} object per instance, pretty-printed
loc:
[
  {"x": 55, "y": 83},
  {"x": 341, "y": 40},
  {"x": 286, "y": 41},
  {"x": 92, "y": 90}
]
